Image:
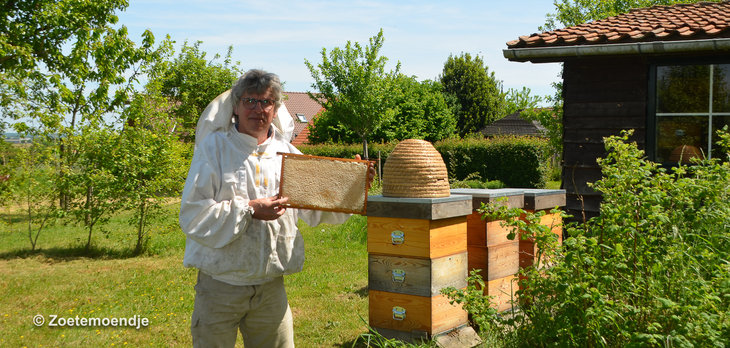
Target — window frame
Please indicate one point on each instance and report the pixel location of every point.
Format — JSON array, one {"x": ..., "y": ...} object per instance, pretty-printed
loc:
[{"x": 651, "y": 124}]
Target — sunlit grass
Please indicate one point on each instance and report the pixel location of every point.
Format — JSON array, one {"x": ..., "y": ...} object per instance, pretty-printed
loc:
[{"x": 328, "y": 298}]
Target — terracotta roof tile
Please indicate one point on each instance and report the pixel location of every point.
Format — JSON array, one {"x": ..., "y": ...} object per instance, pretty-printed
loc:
[
  {"x": 682, "y": 22},
  {"x": 301, "y": 103}
]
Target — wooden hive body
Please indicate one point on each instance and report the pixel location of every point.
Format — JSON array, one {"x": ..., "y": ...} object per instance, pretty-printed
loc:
[
  {"x": 421, "y": 277},
  {"x": 542, "y": 200},
  {"x": 489, "y": 248},
  {"x": 417, "y": 247},
  {"x": 415, "y": 237},
  {"x": 411, "y": 313}
]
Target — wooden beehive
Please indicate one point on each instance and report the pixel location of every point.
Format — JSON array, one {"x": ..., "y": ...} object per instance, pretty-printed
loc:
[
  {"x": 416, "y": 248},
  {"x": 489, "y": 248},
  {"x": 541, "y": 200},
  {"x": 416, "y": 237},
  {"x": 413, "y": 276},
  {"x": 415, "y": 314}
]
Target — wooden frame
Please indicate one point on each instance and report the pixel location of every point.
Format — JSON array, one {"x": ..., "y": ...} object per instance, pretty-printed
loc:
[{"x": 317, "y": 183}]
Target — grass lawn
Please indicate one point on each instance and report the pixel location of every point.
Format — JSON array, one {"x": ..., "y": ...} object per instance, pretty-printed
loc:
[{"x": 328, "y": 299}]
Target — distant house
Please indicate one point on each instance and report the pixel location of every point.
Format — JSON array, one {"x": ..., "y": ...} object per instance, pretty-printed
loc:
[
  {"x": 663, "y": 71},
  {"x": 303, "y": 110},
  {"x": 514, "y": 124}
]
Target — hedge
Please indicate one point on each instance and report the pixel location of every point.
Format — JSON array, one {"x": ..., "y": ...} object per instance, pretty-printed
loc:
[{"x": 515, "y": 161}]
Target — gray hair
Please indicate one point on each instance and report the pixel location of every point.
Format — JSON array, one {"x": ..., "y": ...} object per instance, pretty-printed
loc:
[{"x": 256, "y": 81}]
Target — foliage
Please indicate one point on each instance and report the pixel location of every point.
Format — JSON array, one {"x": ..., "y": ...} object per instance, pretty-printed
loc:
[
  {"x": 550, "y": 118},
  {"x": 651, "y": 270},
  {"x": 95, "y": 192},
  {"x": 190, "y": 81},
  {"x": 151, "y": 163},
  {"x": 473, "y": 92},
  {"x": 35, "y": 31},
  {"x": 474, "y": 181},
  {"x": 418, "y": 111},
  {"x": 574, "y": 12},
  {"x": 31, "y": 183},
  {"x": 515, "y": 161},
  {"x": 353, "y": 86}
]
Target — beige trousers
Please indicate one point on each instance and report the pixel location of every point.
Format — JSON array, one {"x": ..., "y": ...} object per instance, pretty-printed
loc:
[{"x": 260, "y": 312}]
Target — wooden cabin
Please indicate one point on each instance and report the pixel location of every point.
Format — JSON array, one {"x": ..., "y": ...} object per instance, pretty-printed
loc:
[{"x": 663, "y": 71}]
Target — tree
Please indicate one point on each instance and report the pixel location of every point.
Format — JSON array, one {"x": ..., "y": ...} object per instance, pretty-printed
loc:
[
  {"x": 32, "y": 184},
  {"x": 414, "y": 110},
  {"x": 190, "y": 82},
  {"x": 35, "y": 34},
  {"x": 353, "y": 85},
  {"x": 550, "y": 117},
  {"x": 80, "y": 87},
  {"x": 475, "y": 93},
  {"x": 150, "y": 161},
  {"x": 95, "y": 192},
  {"x": 419, "y": 110},
  {"x": 37, "y": 30}
]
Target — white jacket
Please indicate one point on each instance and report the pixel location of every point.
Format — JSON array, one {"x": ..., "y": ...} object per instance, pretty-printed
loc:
[{"x": 223, "y": 239}]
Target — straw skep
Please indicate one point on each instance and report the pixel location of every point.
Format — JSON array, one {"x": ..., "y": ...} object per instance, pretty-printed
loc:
[{"x": 415, "y": 170}]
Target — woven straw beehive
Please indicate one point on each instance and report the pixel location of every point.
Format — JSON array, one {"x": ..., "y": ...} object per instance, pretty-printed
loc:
[{"x": 415, "y": 170}]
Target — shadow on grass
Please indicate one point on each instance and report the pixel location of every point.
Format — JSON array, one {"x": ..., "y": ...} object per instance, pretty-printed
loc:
[{"x": 64, "y": 254}]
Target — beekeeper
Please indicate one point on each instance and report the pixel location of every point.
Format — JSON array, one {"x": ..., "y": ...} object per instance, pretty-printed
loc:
[{"x": 239, "y": 236}]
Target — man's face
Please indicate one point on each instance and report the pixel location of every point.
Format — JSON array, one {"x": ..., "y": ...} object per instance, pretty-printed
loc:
[{"x": 255, "y": 114}]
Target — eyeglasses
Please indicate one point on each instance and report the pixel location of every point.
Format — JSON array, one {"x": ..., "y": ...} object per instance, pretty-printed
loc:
[{"x": 250, "y": 103}]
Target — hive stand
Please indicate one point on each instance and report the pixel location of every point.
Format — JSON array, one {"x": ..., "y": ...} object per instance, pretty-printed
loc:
[
  {"x": 489, "y": 248},
  {"x": 541, "y": 200},
  {"x": 417, "y": 247}
]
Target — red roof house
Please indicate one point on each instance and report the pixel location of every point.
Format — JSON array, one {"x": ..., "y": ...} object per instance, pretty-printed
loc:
[
  {"x": 663, "y": 71},
  {"x": 303, "y": 110}
]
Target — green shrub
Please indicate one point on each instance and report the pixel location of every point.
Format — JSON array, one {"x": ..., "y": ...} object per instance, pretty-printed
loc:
[
  {"x": 651, "y": 270},
  {"x": 515, "y": 161}
]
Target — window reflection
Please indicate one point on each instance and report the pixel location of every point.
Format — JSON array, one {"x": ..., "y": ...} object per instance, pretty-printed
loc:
[
  {"x": 721, "y": 88},
  {"x": 692, "y": 104}
]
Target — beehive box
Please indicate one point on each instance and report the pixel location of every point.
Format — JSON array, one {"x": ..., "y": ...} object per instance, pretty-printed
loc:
[
  {"x": 417, "y": 227},
  {"x": 496, "y": 261},
  {"x": 431, "y": 315},
  {"x": 541, "y": 200},
  {"x": 503, "y": 292},
  {"x": 416, "y": 238},
  {"x": 489, "y": 249},
  {"x": 416, "y": 247},
  {"x": 488, "y": 232},
  {"x": 422, "y": 277}
]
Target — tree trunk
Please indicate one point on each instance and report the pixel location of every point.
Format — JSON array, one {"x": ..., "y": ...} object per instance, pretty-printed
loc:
[
  {"x": 140, "y": 228},
  {"x": 365, "y": 148},
  {"x": 89, "y": 192}
]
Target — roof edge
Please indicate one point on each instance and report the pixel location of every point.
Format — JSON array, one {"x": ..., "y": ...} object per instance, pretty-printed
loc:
[{"x": 560, "y": 53}]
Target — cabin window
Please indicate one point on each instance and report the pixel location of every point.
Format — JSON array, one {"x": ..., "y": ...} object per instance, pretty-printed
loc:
[{"x": 692, "y": 103}]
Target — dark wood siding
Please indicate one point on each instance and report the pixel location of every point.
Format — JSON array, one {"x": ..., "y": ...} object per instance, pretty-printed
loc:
[{"x": 602, "y": 96}]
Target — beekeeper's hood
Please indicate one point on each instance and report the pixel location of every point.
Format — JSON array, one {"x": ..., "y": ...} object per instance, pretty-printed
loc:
[{"x": 219, "y": 116}]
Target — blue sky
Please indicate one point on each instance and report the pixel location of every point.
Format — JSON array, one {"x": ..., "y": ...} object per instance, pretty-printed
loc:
[{"x": 279, "y": 35}]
